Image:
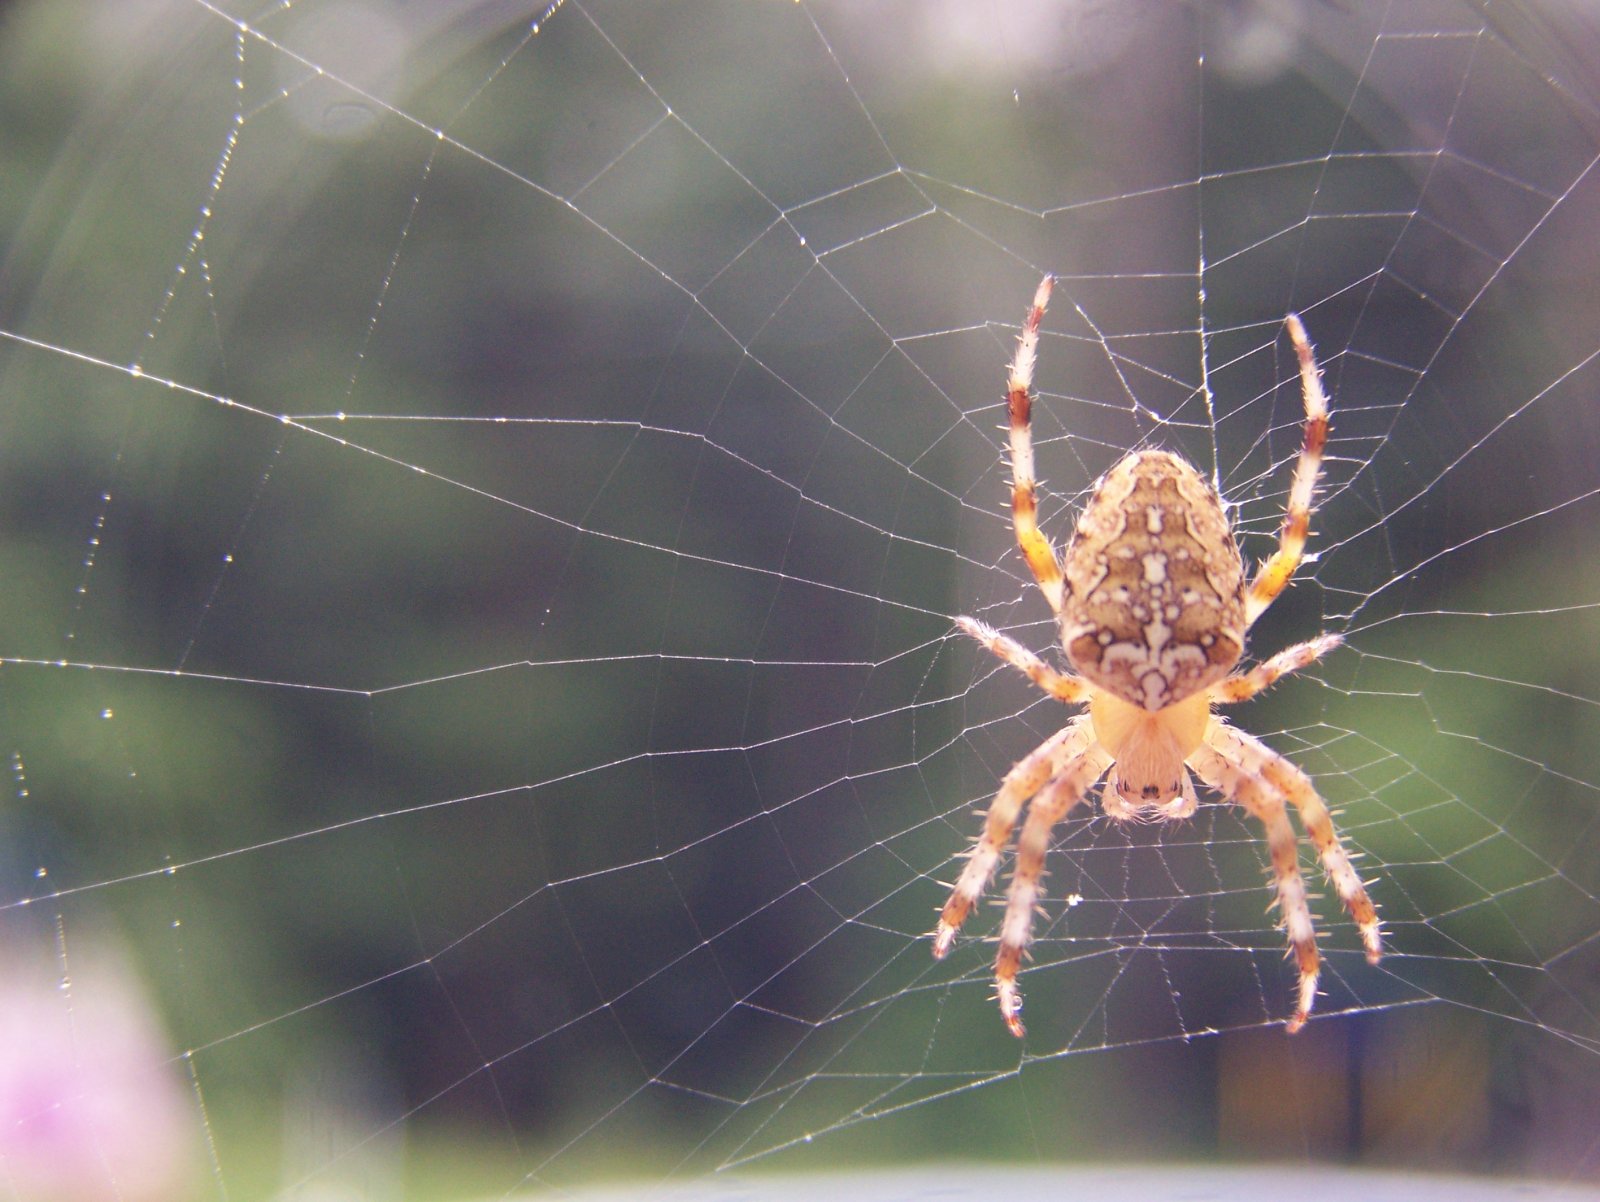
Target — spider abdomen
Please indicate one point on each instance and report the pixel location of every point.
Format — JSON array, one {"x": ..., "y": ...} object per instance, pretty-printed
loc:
[{"x": 1154, "y": 606}]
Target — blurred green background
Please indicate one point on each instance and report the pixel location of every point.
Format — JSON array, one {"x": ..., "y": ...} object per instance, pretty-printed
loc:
[{"x": 485, "y": 495}]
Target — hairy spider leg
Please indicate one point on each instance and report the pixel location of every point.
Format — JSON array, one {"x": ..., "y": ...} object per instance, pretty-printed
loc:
[
  {"x": 1062, "y": 687},
  {"x": 1036, "y": 548},
  {"x": 1274, "y": 575},
  {"x": 1027, "y": 776},
  {"x": 1255, "y": 757},
  {"x": 1264, "y": 675},
  {"x": 1057, "y": 800},
  {"x": 1266, "y": 804}
]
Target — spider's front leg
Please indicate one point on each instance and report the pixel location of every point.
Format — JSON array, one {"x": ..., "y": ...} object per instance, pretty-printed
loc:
[
  {"x": 1266, "y": 804},
  {"x": 1027, "y": 777},
  {"x": 1255, "y": 757},
  {"x": 1016, "y": 931}
]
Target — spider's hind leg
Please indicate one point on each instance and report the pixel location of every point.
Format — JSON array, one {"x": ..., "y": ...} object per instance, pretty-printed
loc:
[
  {"x": 1036, "y": 548},
  {"x": 1276, "y": 572}
]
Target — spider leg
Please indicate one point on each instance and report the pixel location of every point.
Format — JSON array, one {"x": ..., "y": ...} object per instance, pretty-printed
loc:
[
  {"x": 1027, "y": 776},
  {"x": 1273, "y": 576},
  {"x": 1062, "y": 687},
  {"x": 1265, "y": 802},
  {"x": 1063, "y": 792},
  {"x": 1036, "y": 549},
  {"x": 1267, "y": 673},
  {"x": 1256, "y": 757}
]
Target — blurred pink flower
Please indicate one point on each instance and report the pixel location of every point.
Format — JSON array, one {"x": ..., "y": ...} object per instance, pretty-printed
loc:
[{"x": 92, "y": 1105}]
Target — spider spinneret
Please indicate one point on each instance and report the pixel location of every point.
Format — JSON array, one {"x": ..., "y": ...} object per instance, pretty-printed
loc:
[{"x": 1153, "y": 608}]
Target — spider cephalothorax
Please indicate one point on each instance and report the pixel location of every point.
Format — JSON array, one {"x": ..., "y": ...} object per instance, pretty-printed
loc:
[{"x": 1153, "y": 607}]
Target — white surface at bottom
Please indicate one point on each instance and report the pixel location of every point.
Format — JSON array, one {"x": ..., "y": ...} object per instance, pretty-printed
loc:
[{"x": 1208, "y": 1183}]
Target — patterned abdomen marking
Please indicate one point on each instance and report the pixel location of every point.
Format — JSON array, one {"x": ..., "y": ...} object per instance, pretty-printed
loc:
[{"x": 1154, "y": 610}]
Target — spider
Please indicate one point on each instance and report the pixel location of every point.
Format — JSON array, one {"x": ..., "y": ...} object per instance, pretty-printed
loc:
[{"x": 1153, "y": 607}]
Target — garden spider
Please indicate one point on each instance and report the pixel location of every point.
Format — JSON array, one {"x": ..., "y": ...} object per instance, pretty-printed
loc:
[{"x": 1153, "y": 608}]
